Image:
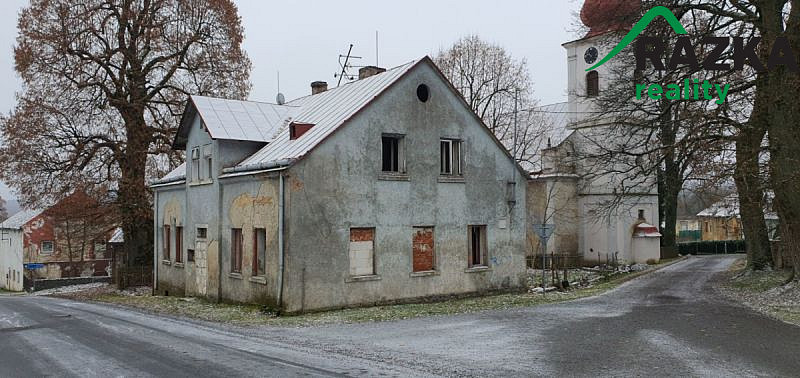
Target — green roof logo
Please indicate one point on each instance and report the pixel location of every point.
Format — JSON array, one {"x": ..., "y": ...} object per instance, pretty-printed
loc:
[{"x": 639, "y": 28}]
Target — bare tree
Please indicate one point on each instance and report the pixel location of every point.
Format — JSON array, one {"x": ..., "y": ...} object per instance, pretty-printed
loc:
[
  {"x": 104, "y": 82},
  {"x": 494, "y": 84},
  {"x": 82, "y": 225},
  {"x": 3, "y": 211},
  {"x": 775, "y": 114},
  {"x": 682, "y": 140}
]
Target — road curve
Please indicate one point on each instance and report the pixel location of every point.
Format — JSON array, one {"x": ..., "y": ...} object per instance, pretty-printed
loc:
[{"x": 667, "y": 323}]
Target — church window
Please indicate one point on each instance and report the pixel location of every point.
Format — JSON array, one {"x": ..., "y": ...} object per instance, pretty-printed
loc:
[{"x": 592, "y": 84}]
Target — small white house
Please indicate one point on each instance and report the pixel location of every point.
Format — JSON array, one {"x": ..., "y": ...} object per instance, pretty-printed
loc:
[{"x": 11, "y": 249}]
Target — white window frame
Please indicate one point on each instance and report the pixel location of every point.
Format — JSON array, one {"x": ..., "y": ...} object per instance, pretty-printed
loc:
[
  {"x": 52, "y": 247},
  {"x": 195, "y": 164},
  {"x": 451, "y": 165},
  {"x": 207, "y": 157}
]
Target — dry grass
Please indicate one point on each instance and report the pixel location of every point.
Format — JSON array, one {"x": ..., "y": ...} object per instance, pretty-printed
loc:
[
  {"x": 764, "y": 292},
  {"x": 254, "y": 315}
]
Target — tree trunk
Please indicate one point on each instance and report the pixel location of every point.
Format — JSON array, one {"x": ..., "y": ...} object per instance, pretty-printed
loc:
[
  {"x": 669, "y": 197},
  {"x": 783, "y": 91},
  {"x": 750, "y": 188},
  {"x": 671, "y": 181},
  {"x": 134, "y": 196}
]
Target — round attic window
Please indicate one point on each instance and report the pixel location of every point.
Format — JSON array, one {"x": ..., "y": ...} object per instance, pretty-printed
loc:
[{"x": 423, "y": 93}]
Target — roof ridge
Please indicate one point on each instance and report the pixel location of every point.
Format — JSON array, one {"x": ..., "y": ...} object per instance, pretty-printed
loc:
[{"x": 359, "y": 81}]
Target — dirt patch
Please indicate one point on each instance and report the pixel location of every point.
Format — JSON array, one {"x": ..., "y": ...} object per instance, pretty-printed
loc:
[{"x": 764, "y": 292}]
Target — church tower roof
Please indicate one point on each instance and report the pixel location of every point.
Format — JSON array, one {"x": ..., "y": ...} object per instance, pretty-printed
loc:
[{"x": 603, "y": 16}]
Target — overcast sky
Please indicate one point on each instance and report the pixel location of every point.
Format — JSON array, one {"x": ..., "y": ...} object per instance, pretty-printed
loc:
[{"x": 303, "y": 39}]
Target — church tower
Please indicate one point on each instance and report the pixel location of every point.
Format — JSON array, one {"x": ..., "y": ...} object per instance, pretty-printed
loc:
[
  {"x": 625, "y": 231},
  {"x": 606, "y": 19}
]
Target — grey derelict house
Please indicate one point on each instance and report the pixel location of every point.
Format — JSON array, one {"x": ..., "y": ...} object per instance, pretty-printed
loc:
[{"x": 385, "y": 189}]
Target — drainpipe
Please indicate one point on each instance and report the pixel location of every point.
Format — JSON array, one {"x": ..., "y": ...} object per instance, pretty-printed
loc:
[
  {"x": 281, "y": 249},
  {"x": 155, "y": 242},
  {"x": 220, "y": 217}
]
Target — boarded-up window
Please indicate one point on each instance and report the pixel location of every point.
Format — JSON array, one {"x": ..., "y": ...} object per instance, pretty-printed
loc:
[
  {"x": 422, "y": 249},
  {"x": 362, "y": 251},
  {"x": 166, "y": 242},
  {"x": 259, "y": 251},
  {"x": 178, "y": 244},
  {"x": 236, "y": 250},
  {"x": 477, "y": 245}
]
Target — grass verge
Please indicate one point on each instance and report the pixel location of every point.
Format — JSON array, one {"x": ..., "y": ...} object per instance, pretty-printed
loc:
[
  {"x": 254, "y": 315},
  {"x": 764, "y": 292}
]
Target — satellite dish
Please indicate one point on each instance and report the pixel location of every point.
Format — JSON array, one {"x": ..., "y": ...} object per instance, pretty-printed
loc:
[{"x": 280, "y": 99}]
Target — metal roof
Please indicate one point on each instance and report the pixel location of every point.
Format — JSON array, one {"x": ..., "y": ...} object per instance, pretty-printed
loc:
[
  {"x": 326, "y": 111},
  {"x": 118, "y": 236},
  {"x": 16, "y": 221},
  {"x": 728, "y": 207},
  {"x": 555, "y": 119},
  {"x": 177, "y": 174},
  {"x": 239, "y": 120}
]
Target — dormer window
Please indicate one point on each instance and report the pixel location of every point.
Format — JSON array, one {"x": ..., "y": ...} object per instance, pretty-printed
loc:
[{"x": 297, "y": 129}]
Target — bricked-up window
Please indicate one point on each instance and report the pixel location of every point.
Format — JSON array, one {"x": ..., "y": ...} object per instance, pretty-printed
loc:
[
  {"x": 178, "y": 244},
  {"x": 47, "y": 247},
  {"x": 477, "y": 246},
  {"x": 362, "y": 251},
  {"x": 592, "y": 84},
  {"x": 259, "y": 251},
  {"x": 167, "y": 237},
  {"x": 392, "y": 154},
  {"x": 422, "y": 249},
  {"x": 236, "y": 250},
  {"x": 196, "y": 164},
  {"x": 450, "y": 162}
]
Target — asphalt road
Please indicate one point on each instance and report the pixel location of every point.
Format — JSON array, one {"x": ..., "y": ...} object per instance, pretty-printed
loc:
[{"x": 667, "y": 323}]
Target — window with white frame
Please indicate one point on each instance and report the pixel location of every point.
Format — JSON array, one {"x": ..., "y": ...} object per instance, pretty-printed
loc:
[
  {"x": 47, "y": 247},
  {"x": 450, "y": 162},
  {"x": 208, "y": 160},
  {"x": 195, "y": 164}
]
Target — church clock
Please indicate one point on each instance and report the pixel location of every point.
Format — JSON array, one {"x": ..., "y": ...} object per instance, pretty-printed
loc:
[{"x": 590, "y": 56}]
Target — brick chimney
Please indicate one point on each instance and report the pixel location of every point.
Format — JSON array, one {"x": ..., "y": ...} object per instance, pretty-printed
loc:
[
  {"x": 318, "y": 87},
  {"x": 365, "y": 72}
]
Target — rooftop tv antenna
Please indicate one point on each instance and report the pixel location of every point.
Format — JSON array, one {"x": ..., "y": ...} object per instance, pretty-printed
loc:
[
  {"x": 280, "y": 99},
  {"x": 346, "y": 66}
]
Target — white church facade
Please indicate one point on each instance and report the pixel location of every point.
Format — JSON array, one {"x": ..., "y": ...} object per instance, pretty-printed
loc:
[{"x": 601, "y": 213}]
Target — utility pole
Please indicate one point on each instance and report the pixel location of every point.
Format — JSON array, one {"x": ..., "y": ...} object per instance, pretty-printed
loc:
[{"x": 516, "y": 101}]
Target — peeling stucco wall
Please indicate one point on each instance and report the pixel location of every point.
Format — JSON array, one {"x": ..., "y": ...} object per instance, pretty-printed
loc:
[{"x": 337, "y": 187}]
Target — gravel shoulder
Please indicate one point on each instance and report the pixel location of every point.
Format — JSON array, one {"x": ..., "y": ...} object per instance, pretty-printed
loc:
[
  {"x": 248, "y": 315},
  {"x": 763, "y": 292}
]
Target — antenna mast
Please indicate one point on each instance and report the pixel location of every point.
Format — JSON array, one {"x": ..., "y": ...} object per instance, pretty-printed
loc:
[{"x": 346, "y": 65}]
